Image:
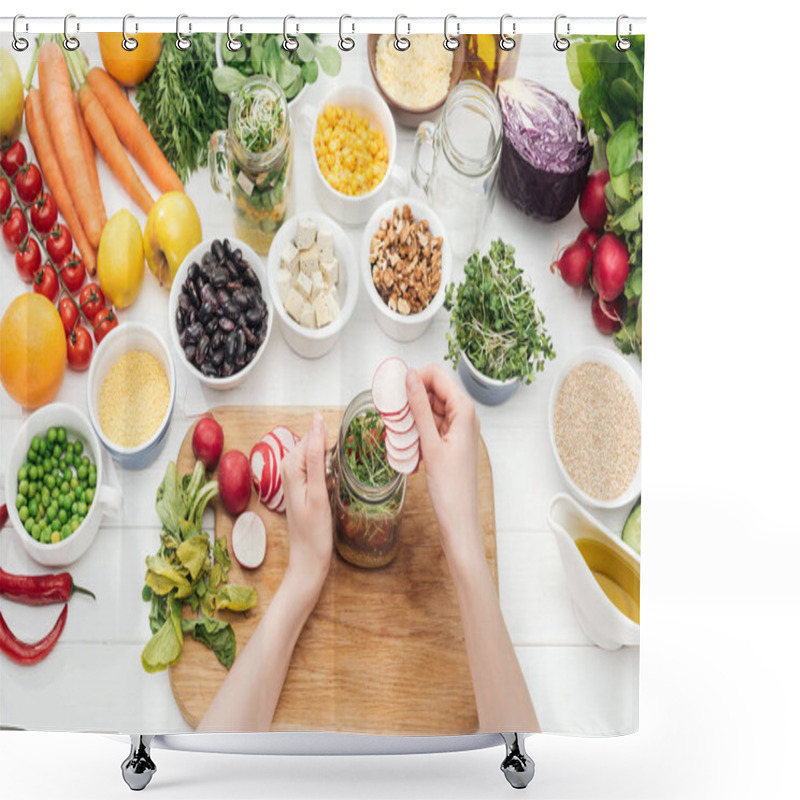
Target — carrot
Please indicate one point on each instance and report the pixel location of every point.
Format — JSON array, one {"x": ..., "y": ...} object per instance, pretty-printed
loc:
[
  {"x": 102, "y": 132},
  {"x": 54, "y": 178},
  {"x": 133, "y": 131},
  {"x": 62, "y": 123},
  {"x": 88, "y": 153}
]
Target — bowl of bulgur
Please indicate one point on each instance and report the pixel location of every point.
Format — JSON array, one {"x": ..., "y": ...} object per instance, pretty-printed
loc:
[
  {"x": 131, "y": 394},
  {"x": 595, "y": 427}
]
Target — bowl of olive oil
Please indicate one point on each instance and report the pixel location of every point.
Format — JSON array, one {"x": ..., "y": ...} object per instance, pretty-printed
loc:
[{"x": 603, "y": 573}]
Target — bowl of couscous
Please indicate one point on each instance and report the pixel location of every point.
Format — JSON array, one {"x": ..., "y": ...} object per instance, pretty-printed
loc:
[{"x": 131, "y": 394}]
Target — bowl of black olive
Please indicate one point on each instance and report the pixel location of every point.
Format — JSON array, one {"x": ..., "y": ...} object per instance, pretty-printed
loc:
[{"x": 220, "y": 312}]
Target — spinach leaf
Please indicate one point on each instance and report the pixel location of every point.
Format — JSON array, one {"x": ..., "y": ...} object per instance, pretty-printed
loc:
[
  {"x": 235, "y": 598},
  {"x": 165, "y": 647},
  {"x": 214, "y": 634}
]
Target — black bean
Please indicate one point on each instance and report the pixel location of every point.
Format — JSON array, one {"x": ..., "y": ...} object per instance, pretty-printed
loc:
[
  {"x": 202, "y": 349},
  {"x": 217, "y": 250},
  {"x": 217, "y": 356},
  {"x": 241, "y": 342},
  {"x": 249, "y": 278},
  {"x": 227, "y": 369},
  {"x": 231, "y": 310},
  {"x": 182, "y": 338},
  {"x": 237, "y": 256},
  {"x": 249, "y": 335},
  {"x": 226, "y": 246},
  {"x": 193, "y": 333},
  {"x": 207, "y": 293},
  {"x": 233, "y": 286},
  {"x": 208, "y": 368},
  {"x": 219, "y": 277},
  {"x": 222, "y": 297},
  {"x": 227, "y": 325},
  {"x": 191, "y": 273},
  {"x": 242, "y": 298},
  {"x": 230, "y": 347},
  {"x": 191, "y": 317},
  {"x": 183, "y": 302},
  {"x": 208, "y": 260},
  {"x": 212, "y": 326},
  {"x": 190, "y": 351},
  {"x": 191, "y": 290},
  {"x": 252, "y": 317}
]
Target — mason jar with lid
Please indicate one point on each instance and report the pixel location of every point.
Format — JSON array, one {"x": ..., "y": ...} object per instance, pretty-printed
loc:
[
  {"x": 251, "y": 161},
  {"x": 461, "y": 179},
  {"x": 366, "y": 517}
]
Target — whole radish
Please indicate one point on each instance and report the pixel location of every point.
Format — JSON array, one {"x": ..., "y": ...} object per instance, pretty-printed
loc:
[
  {"x": 234, "y": 481},
  {"x": 588, "y": 236},
  {"x": 207, "y": 441},
  {"x": 609, "y": 267},
  {"x": 574, "y": 264},
  {"x": 592, "y": 203},
  {"x": 607, "y": 316}
]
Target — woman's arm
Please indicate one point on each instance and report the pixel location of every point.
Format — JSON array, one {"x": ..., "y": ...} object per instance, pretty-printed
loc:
[
  {"x": 449, "y": 434},
  {"x": 247, "y": 699}
]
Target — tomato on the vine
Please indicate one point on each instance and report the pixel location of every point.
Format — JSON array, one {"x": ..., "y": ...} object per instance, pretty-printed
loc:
[
  {"x": 28, "y": 258},
  {"x": 58, "y": 243},
  {"x": 103, "y": 323},
  {"x": 28, "y": 182},
  {"x": 79, "y": 348},
  {"x": 15, "y": 228},
  {"x": 44, "y": 213},
  {"x": 72, "y": 272},
  {"x": 13, "y": 157},
  {"x": 5, "y": 196},
  {"x": 68, "y": 312},
  {"x": 45, "y": 282},
  {"x": 91, "y": 300}
]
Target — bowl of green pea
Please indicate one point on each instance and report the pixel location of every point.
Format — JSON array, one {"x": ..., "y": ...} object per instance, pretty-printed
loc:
[{"x": 55, "y": 487}]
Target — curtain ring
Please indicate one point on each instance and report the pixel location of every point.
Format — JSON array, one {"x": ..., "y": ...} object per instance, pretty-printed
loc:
[
  {"x": 70, "y": 42},
  {"x": 622, "y": 43},
  {"x": 128, "y": 42},
  {"x": 290, "y": 43},
  {"x": 507, "y": 42},
  {"x": 401, "y": 43},
  {"x": 182, "y": 42},
  {"x": 345, "y": 42},
  {"x": 19, "y": 43},
  {"x": 233, "y": 44},
  {"x": 451, "y": 42},
  {"x": 560, "y": 43}
]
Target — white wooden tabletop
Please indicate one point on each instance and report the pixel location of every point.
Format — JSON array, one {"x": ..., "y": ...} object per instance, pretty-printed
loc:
[{"x": 93, "y": 680}]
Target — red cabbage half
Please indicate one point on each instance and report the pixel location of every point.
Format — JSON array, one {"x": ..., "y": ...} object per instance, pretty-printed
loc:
[{"x": 546, "y": 154}]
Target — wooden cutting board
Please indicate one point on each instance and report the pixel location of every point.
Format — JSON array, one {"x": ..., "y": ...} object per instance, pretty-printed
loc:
[{"x": 383, "y": 652}]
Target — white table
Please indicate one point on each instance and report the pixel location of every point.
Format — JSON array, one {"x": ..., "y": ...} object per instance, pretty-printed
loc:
[{"x": 94, "y": 678}]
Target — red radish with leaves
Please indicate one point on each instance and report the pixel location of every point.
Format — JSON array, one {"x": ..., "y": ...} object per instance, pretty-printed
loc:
[
  {"x": 588, "y": 236},
  {"x": 592, "y": 203},
  {"x": 234, "y": 481},
  {"x": 610, "y": 267},
  {"x": 207, "y": 441},
  {"x": 607, "y": 316},
  {"x": 575, "y": 264}
]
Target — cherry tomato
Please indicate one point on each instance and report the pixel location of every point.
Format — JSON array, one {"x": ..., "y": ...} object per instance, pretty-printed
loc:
[
  {"x": 44, "y": 213},
  {"x": 45, "y": 282},
  {"x": 91, "y": 300},
  {"x": 68, "y": 312},
  {"x": 28, "y": 258},
  {"x": 79, "y": 348},
  {"x": 5, "y": 195},
  {"x": 72, "y": 272},
  {"x": 13, "y": 157},
  {"x": 58, "y": 243},
  {"x": 103, "y": 323},
  {"x": 15, "y": 228},
  {"x": 28, "y": 182}
]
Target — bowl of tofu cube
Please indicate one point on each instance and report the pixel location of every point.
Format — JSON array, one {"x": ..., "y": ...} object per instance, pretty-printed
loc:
[{"x": 313, "y": 281}]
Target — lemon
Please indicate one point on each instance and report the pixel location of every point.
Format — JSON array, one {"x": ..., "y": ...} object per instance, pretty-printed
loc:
[
  {"x": 11, "y": 98},
  {"x": 120, "y": 259}
]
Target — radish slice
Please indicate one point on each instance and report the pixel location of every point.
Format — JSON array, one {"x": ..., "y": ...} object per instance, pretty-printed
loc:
[
  {"x": 401, "y": 455},
  {"x": 285, "y": 437},
  {"x": 389, "y": 387},
  {"x": 262, "y": 470},
  {"x": 249, "y": 540},
  {"x": 277, "y": 502},
  {"x": 403, "y": 441},
  {"x": 399, "y": 426},
  {"x": 404, "y": 466}
]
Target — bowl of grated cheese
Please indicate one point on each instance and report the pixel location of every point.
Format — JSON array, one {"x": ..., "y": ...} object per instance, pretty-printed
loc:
[
  {"x": 131, "y": 394},
  {"x": 414, "y": 82}
]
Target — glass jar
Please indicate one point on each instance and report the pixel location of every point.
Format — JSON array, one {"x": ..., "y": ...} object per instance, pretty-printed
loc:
[
  {"x": 366, "y": 518},
  {"x": 461, "y": 182},
  {"x": 251, "y": 161},
  {"x": 486, "y": 61}
]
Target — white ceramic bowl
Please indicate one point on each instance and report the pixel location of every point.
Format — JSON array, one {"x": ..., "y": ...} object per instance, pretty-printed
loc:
[
  {"x": 404, "y": 328},
  {"x": 126, "y": 337},
  {"x": 252, "y": 258},
  {"x": 307, "y": 342},
  {"x": 107, "y": 498},
  {"x": 615, "y": 361},
  {"x": 347, "y": 209}
]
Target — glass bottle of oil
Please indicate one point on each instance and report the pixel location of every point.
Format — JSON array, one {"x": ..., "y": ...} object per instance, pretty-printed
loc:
[{"x": 486, "y": 61}]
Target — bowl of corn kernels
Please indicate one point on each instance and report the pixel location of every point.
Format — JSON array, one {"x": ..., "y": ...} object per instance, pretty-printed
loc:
[{"x": 353, "y": 148}]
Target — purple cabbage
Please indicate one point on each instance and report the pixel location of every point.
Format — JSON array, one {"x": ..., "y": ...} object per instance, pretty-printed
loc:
[{"x": 546, "y": 153}]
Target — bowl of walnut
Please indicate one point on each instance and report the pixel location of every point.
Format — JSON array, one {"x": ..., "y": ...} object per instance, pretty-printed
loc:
[{"x": 406, "y": 264}]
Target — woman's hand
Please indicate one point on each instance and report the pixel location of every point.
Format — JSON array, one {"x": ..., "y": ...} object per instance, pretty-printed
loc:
[
  {"x": 449, "y": 431},
  {"x": 308, "y": 509}
]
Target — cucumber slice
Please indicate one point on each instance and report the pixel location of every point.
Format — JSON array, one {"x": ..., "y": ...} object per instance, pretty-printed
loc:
[{"x": 632, "y": 530}]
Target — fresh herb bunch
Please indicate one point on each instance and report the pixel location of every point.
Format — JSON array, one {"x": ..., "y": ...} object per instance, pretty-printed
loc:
[
  {"x": 365, "y": 450},
  {"x": 188, "y": 570},
  {"x": 180, "y": 104},
  {"x": 611, "y": 85},
  {"x": 263, "y": 54},
  {"x": 494, "y": 320}
]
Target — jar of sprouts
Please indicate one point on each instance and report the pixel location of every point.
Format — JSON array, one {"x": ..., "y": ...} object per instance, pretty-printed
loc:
[
  {"x": 367, "y": 495},
  {"x": 251, "y": 161}
]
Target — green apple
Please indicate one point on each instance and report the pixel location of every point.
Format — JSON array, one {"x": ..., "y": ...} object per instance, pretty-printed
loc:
[{"x": 171, "y": 231}]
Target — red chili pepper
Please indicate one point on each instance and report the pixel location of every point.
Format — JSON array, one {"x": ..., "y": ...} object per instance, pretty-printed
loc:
[
  {"x": 3, "y": 514},
  {"x": 39, "y": 590},
  {"x": 28, "y": 653}
]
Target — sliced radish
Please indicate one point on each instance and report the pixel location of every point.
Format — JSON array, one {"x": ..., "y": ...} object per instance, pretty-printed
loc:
[
  {"x": 405, "y": 466},
  {"x": 399, "y": 426},
  {"x": 285, "y": 436},
  {"x": 389, "y": 387},
  {"x": 276, "y": 503},
  {"x": 277, "y": 443},
  {"x": 403, "y": 441},
  {"x": 262, "y": 470},
  {"x": 249, "y": 540},
  {"x": 401, "y": 455}
]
